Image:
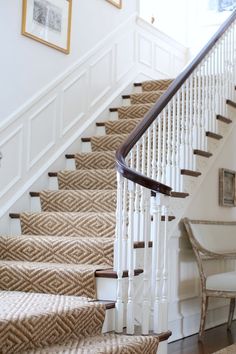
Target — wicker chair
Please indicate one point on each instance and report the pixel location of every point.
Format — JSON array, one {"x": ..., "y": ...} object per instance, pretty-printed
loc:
[{"x": 214, "y": 240}]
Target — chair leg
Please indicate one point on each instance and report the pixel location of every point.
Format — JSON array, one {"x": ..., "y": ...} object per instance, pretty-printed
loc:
[
  {"x": 231, "y": 313},
  {"x": 203, "y": 315}
]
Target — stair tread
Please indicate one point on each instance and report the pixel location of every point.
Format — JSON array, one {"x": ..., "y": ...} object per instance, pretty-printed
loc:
[
  {"x": 231, "y": 103},
  {"x": 214, "y": 135},
  {"x": 78, "y": 200},
  {"x": 202, "y": 153},
  {"x": 95, "y": 160},
  {"x": 50, "y": 278},
  {"x": 121, "y": 126},
  {"x": 99, "y": 270},
  {"x": 87, "y": 179},
  {"x": 104, "y": 342},
  {"x": 41, "y": 315},
  {"x": 223, "y": 119},
  {"x": 51, "y": 266},
  {"x": 179, "y": 194},
  {"x": 82, "y": 224},
  {"x": 153, "y": 85},
  {"x": 57, "y": 249},
  {"x": 135, "y": 111},
  {"x": 144, "y": 97},
  {"x": 190, "y": 173},
  {"x": 14, "y": 303},
  {"x": 110, "y": 273}
]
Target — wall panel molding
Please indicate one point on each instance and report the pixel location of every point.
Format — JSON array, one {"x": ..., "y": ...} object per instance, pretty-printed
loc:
[
  {"x": 41, "y": 131},
  {"x": 11, "y": 148}
]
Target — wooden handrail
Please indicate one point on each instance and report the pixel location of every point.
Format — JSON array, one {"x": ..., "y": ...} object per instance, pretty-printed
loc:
[{"x": 151, "y": 115}]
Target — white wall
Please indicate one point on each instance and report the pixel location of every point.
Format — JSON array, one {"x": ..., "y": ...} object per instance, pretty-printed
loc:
[
  {"x": 184, "y": 312},
  {"x": 201, "y": 24},
  {"x": 27, "y": 65},
  {"x": 189, "y": 22},
  {"x": 208, "y": 207},
  {"x": 170, "y": 17}
]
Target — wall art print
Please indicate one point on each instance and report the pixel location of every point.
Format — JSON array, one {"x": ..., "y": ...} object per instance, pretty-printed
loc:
[{"x": 49, "y": 22}]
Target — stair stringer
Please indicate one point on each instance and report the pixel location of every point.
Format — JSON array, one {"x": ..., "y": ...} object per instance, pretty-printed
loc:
[{"x": 192, "y": 185}]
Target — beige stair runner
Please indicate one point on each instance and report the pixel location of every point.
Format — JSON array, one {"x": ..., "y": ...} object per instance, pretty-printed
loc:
[{"x": 61, "y": 248}]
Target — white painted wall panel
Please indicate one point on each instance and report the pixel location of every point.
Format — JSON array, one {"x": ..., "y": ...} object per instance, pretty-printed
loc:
[
  {"x": 145, "y": 51},
  {"x": 100, "y": 77},
  {"x": 124, "y": 54},
  {"x": 74, "y": 101},
  {"x": 162, "y": 60},
  {"x": 41, "y": 132},
  {"x": 11, "y": 147}
]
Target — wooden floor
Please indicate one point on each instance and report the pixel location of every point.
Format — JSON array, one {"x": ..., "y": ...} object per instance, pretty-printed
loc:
[{"x": 215, "y": 339}]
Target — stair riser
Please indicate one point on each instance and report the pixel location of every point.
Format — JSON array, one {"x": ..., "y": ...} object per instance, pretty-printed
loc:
[
  {"x": 70, "y": 164},
  {"x": 69, "y": 224},
  {"x": 121, "y": 127},
  {"x": 107, "y": 288},
  {"x": 105, "y": 202},
  {"x": 98, "y": 179},
  {"x": 107, "y": 143},
  {"x": 56, "y": 250}
]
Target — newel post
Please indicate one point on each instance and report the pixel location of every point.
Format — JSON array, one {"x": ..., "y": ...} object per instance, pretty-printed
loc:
[{"x": 160, "y": 206}]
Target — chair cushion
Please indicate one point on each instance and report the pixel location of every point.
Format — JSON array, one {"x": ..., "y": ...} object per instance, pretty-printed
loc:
[{"x": 222, "y": 282}]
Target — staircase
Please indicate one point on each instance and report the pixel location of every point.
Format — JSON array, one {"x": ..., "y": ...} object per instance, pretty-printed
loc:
[
  {"x": 91, "y": 256},
  {"x": 54, "y": 264}
]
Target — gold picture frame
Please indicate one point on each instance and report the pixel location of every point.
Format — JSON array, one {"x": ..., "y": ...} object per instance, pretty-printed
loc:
[
  {"x": 48, "y": 22},
  {"x": 227, "y": 187},
  {"x": 117, "y": 3}
]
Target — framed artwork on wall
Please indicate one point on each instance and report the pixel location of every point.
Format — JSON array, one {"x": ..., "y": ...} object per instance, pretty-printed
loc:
[
  {"x": 48, "y": 22},
  {"x": 117, "y": 3},
  {"x": 227, "y": 180}
]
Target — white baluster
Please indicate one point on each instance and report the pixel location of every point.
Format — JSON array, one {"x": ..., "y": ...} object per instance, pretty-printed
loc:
[
  {"x": 130, "y": 303},
  {"x": 174, "y": 170},
  {"x": 182, "y": 129},
  {"x": 119, "y": 255},
  {"x": 164, "y": 297},
  {"x": 168, "y": 146},
  {"x": 137, "y": 196},
  {"x": 191, "y": 123},
  {"x": 154, "y": 150},
  {"x": 164, "y": 138},
  {"x": 178, "y": 130},
  {"x": 159, "y": 146},
  {"x": 124, "y": 226},
  {"x": 187, "y": 129},
  {"x": 149, "y": 152},
  {"x": 156, "y": 263},
  {"x": 146, "y": 280}
]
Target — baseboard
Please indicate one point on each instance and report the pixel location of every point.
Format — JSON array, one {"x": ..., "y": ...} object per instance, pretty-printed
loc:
[{"x": 187, "y": 325}]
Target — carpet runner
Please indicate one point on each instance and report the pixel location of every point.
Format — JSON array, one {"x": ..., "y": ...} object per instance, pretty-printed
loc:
[
  {"x": 62, "y": 246},
  {"x": 228, "y": 350}
]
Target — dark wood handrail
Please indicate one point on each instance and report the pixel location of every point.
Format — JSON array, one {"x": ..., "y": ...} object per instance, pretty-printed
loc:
[{"x": 151, "y": 115}]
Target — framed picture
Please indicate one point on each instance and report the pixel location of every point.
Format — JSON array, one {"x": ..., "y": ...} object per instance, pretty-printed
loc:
[
  {"x": 117, "y": 3},
  {"x": 49, "y": 22},
  {"x": 227, "y": 180}
]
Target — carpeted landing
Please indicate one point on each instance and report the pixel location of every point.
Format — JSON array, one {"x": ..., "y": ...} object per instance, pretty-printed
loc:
[{"x": 62, "y": 246}]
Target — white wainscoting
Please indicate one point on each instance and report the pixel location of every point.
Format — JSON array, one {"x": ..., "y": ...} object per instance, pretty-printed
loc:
[
  {"x": 42, "y": 130},
  {"x": 159, "y": 55}
]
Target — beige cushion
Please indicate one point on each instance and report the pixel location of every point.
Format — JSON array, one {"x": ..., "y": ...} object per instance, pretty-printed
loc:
[
  {"x": 222, "y": 282},
  {"x": 219, "y": 238}
]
